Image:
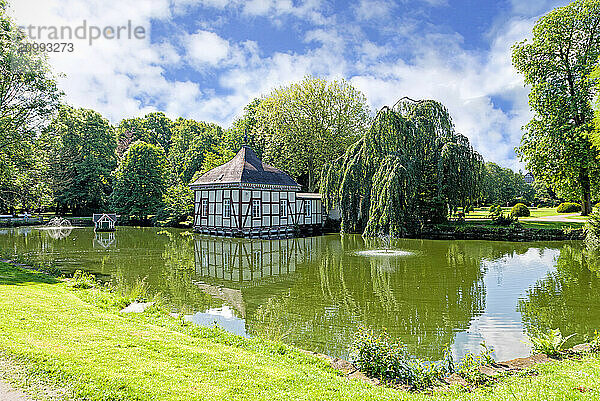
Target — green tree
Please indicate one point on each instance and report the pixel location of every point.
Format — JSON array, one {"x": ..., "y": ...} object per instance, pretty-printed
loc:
[
  {"x": 178, "y": 205},
  {"x": 81, "y": 157},
  {"x": 557, "y": 64},
  {"x": 308, "y": 124},
  {"x": 502, "y": 185},
  {"x": 190, "y": 142},
  {"x": 28, "y": 99},
  {"x": 154, "y": 128},
  {"x": 408, "y": 170},
  {"x": 244, "y": 132},
  {"x": 140, "y": 180}
]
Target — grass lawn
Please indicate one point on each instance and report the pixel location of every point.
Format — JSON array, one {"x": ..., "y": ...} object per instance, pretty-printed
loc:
[{"x": 77, "y": 339}]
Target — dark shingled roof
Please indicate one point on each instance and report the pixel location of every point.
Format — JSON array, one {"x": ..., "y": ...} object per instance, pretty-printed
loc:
[{"x": 245, "y": 168}]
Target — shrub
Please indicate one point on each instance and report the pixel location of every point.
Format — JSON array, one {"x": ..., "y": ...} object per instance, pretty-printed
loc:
[
  {"x": 550, "y": 343},
  {"x": 83, "y": 280},
  {"x": 468, "y": 367},
  {"x": 568, "y": 207},
  {"x": 498, "y": 218},
  {"x": 380, "y": 357},
  {"x": 520, "y": 210},
  {"x": 592, "y": 231}
]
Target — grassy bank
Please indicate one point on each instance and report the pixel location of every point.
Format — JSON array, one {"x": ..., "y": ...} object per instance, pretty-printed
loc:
[{"x": 76, "y": 339}]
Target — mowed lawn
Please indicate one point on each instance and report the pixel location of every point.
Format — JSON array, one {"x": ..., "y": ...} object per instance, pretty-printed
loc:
[
  {"x": 75, "y": 338},
  {"x": 482, "y": 213}
]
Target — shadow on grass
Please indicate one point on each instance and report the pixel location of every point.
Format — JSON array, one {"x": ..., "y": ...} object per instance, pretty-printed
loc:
[{"x": 13, "y": 275}]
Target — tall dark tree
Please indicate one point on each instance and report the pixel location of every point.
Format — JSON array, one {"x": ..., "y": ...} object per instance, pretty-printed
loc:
[
  {"x": 557, "y": 64},
  {"x": 140, "y": 181},
  {"x": 81, "y": 158}
]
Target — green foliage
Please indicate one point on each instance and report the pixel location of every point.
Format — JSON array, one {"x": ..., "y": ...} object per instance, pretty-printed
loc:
[
  {"x": 496, "y": 214},
  {"x": 520, "y": 210},
  {"x": 557, "y": 65},
  {"x": 190, "y": 143},
  {"x": 140, "y": 180},
  {"x": 405, "y": 172},
  {"x": 592, "y": 231},
  {"x": 549, "y": 342},
  {"x": 29, "y": 99},
  {"x": 469, "y": 367},
  {"x": 178, "y": 206},
  {"x": 502, "y": 185},
  {"x": 215, "y": 157},
  {"x": 82, "y": 280},
  {"x": 81, "y": 157},
  {"x": 380, "y": 357},
  {"x": 154, "y": 128},
  {"x": 303, "y": 126},
  {"x": 568, "y": 207}
]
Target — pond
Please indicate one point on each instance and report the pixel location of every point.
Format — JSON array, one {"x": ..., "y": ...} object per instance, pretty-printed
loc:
[{"x": 316, "y": 292}]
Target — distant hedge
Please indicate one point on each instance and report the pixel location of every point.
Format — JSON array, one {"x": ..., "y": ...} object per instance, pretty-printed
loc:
[
  {"x": 568, "y": 207},
  {"x": 520, "y": 210}
]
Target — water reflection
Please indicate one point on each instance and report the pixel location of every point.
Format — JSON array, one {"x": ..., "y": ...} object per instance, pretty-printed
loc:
[
  {"x": 567, "y": 298},
  {"x": 315, "y": 292}
]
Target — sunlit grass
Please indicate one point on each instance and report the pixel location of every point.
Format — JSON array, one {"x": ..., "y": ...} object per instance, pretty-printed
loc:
[{"x": 76, "y": 339}]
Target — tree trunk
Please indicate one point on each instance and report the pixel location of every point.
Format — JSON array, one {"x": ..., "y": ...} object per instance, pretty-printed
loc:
[{"x": 586, "y": 196}]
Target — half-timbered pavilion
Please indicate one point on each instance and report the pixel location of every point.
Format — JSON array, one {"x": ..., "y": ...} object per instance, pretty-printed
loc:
[{"x": 248, "y": 198}]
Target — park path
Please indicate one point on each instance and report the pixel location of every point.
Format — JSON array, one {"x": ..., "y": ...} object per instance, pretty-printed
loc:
[
  {"x": 8, "y": 393},
  {"x": 563, "y": 218}
]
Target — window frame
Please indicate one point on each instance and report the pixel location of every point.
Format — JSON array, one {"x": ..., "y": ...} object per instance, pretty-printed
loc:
[
  {"x": 204, "y": 209},
  {"x": 256, "y": 203},
  {"x": 283, "y": 208},
  {"x": 227, "y": 208},
  {"x": 307, "y": 208}
]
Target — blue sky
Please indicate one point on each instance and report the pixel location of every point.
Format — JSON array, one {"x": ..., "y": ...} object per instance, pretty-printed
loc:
[{"x": 207, "y": 59}]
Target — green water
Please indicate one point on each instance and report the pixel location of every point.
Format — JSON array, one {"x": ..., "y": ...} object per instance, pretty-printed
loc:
[{"x": 315, "y": 292}]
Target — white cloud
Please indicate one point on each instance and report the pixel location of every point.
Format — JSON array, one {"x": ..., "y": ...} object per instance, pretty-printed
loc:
[
  {"x": 373, "y": 9},
  {"x": 128, "y": 78},
  {"x": 205, "y": 47}
]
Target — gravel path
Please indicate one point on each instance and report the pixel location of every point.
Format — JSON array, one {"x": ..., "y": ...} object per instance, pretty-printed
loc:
[{"x": 7, "y": 393}]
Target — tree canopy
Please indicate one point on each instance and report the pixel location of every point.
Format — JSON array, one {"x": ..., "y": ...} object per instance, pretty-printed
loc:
[
  {"x": 81, "y": 157},
  {"x": 557, "y": 64},
  {"x": 407, "y": 170},
  {"x": 502, "y": 185},
  {"x": 140, "y": 180},
  {"x": 29, "y": 98},
  {"x": 303, "y": 126}
]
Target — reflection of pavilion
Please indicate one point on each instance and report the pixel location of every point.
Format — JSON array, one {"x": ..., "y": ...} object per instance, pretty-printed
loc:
[
  {"x": 241, "y": 263},
  {"x": 104, "y": 239}
]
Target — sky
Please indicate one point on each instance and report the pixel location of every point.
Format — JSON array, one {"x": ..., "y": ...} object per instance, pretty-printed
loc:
[{"x": 207, "y": 59}]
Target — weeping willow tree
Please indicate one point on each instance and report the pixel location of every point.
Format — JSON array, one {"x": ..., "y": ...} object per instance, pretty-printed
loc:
[{"x": 410, "y": 169}]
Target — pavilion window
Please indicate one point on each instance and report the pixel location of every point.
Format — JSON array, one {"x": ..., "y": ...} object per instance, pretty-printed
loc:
[
  {"x": 283, "y": 208},
  {"x": 227, "y": 208},
  {"x": 256, "y": 209},
  {"x": 307, "y": 208},
  {"x": 204, "y": 212}
]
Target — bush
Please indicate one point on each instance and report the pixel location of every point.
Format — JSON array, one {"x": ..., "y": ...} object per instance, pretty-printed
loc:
[
  {"x": 380, "y": 357},
  {"x": 550, "y": 343},
  {"x": 520, "y": 210},
  {"x": 568, "y": 207},
  {"x": 83, "y": 280},
  {"x": 498, "y": 218}
]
